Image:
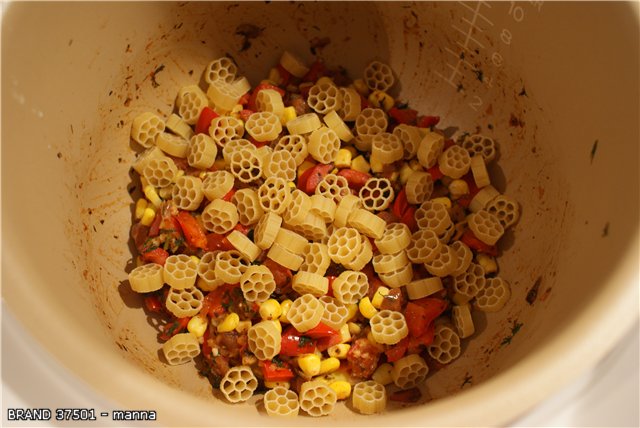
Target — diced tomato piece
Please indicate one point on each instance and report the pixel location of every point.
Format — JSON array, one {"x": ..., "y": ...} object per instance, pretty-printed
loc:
[
  {"x": 153, "y": 304},
  {"x": 257, "y": 143},
  {"x": 154, "y": 229},
  {"x": 204, "y": 120},
  {"x": 158, "y": 255},
  {"x": 425, "y": 340},
  {"x": 245, "y": 113},
  {"x": 293, "y": 343},
  {"x": 244, "y": 99},
  {"x": 241, "y": 228},
  {"x": 410, "y": 395},
  {"x": 405, "y": 115},
  {"x": 310, "y": 179},
  {"x": 401, "y": 204},
  {"x": 321, "y": 330},
  {"x": 215, "y": 241},
  {"x": 177, "y": 326},
  {"x": 206, "y": 348},
  {"x": 316, "y": 71},
  {"x": 356, "y": 179},
  {"x": 448, "y": 143},
  {"x": 331, "y": 278},
  {"x": 427, "y": 121},
  {"x": 435, "y": 172},
  {"x": 193, "y": 231},
  {"x": 420, "y": 313},
  {"x": 227, "y": 196},
  {"x": 472, "y": 241},
  {"x": 285, "y": 76},
  {"x": 397, "y": 351},
  {"x": 281, "y": 275},
  {"x": 276, "y": 372},
  {"x": 409, "y": 218}
]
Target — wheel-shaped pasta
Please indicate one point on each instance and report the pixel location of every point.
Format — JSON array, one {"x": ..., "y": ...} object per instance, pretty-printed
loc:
[
  {"x": 304, "y": 124},
  {"x": 284, "y": 257},
  {"x": 505, "y": 209},
  {"x": 444, "y": 264},
  {"x": 367, "y": 223},
  {"x": 181, "y": 348},
  {"x": 245, "y": 165},
  {"x": 335, "y": 123},
  {"x": 454, "y": 162},
  {"x": 280, "y": 163},
  {"x": 350, "y": 286},
  {"x": 479, "y": 171},
  {"x": 335, "y": 313},
  {"x": 409, "y": 371},
  {"x": 479, "y": 145},
  {"x": 293, "y": 64},
  {"x": 190, "y": 102},
  {"x": 323, "y": 145},
  {"x": 270, "y": 100},
  {"x": 294, "y": 144},
  {"x": 424, "y": 246},
  {"x": 219, "y": 216},
  {"x": 410, "y": 138},
  {"x": 430, "y": 149},
  {"x": 264, "y": 339},
  {"x": 351, "y": 104},
  {"x": 185, "y": 302},
  {"x": 274, "y": 195},
  {"x": 446, "y": 344},
  {"x": 217, "y": 184},
  {"x": 377, "y": 194},
  {"x": 419, "y": 187},
  {"x": 461, "y": 317},
  {"x": 223, "y": 96},
  {"x": 344, "y": 244},
  {"x": 160, "y": 172},
  {"x": 362, "y": 258},
  {"x": 244, "y": 245},
  {"x": 180, "y": 271},
  {"x": 345, "y": 207},
  {"x": 266, "y": 230},
  {"x": 230, "y": 265},
  {"x": 298, "y": 209},
  {"x": 207, "y": 280},
  {"x": 202, "y": 151},
  {"x": 369, "y": 397},
  {"x": 310, "y": 283},
  {"x": 248, "y": 206},
  {"x": 395, "y": 237},
  {"x": 483, "y": 198},
  {"x": 178, "y": 126},
  {"x": 388, "y": 327},
  {"x": 173, "y": 145},
  {"x": 334, "y": 187},
  {"x": 223, "y": 69},
  {"x": 257, "y": 283},
  {"x": 465, "y": 255},
  {"x": 493, "y": 296},
  {"x": 485, "y": 226},
  {"x": 385, "y": 263},
  {"x": 238, "y": 384},
  {"x": 423, "y": 287},
  {"x": 386, "y": 148},
  {"x": 145, "y": 128},
  {"x": 370, "y": 122},
  {"x": 224, "y": 129},
  {"x": 145, "y": 157},
  {"x": 468, "y": 284},
  {"x": 281, "y": 401},
  {"x": 378, "y": 76},
  {"x": 324, "y": 97},
  {"x": 433, "y": 215},
  {"x": 305, "y": 312},
  {"x": 317, "y": 398},
  {"x": 399, "y": 277},
  {"x": 146, "y": 278},
  {"x": 187, "y": 193},
  {"x": 316, "y": 258},
  {"x": 323, "y": 206}
]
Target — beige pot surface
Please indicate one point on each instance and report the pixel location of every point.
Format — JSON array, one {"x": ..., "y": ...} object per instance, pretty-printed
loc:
[{"x": 556, "y": 85}]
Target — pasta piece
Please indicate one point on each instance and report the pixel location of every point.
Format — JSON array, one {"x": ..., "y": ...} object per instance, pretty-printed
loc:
[
  {"x": 377, "y": 194},
  {"x": 270, "y": 100},
  {"x": 344, "y": 245},
  {"x": 445, "y": 346},
  {"x": 181, "y": 348},
  {"x": 219, "y": 216},
  {"x": 238, "y": 384},
  {"x": 454, "y": 162},
  {"x": 291, "y": 241},
  {"x": 323, "y": 145},
  {"x": 190, "y": 102},
  {"x": 230, "y": 265},
  {"x": 423, "y": 287},
  {"x": 479, "y": 171},
  {"x": 310, "y": 283},
  {"x": 410, "y": 138},
  {"x": 505, "y": 209},
  {"x": 386, "y": 263},
  {"x": 223, "y": 69},
  {"x": 274, "y": 195},
  {"x": 419, "y": 187},
  {"x": 298, "y": 209},
  {"x": 180, "y": 271},
  {"x": 445, "y": 262},
  {"x": 264, "y": 339},
  {"x": 244, "y": 245},
  {"x": 395, "y": 237},
  {"x": 398, "y": 278},
  {"x": 493, "y": 296},
  {"x": 217, "y": 184},
  {"x": 378, "y": 76},
  {"x": 305, "y": 312},
  {"x": 187, "y": 193},
  {"x": 324, "y": 97},
  {"x": 202, "y": 151},
  {"x": 316, "y": 258},
  {"x": 367, "y": 223},
  {"x": 185, "y": 302},
  {"x": 266, "y": 230},
  {"x": 446, "y": 236},
  {"x": 337, "y": 125},
  {"x": 483, "y": 198},
  {"x": 433, "y": 215},
  {"x": 281, "y": 401},
  {"x": 145, "y": 157},
  {"x": 369, "y": 397},
  {"x": 160, "y": 172},
  {"x": 146, "y": 278},
  {"x": 225, "y": 128},
  {"x": 145, "y": 128},
  {"x": 312, "y": 228},
  {"x": 178, "y": 126},
  {"x": 241, "y": 86},
  {"x": 409, "y": 371},
  {"x": 223, "y": 96},
  {"x": 468, "y": 284},
  {"x": 485, "y": 226},
  {"x": 361, "y": 259},
  {"x": 317, "y": 398},
  {"x": 334, "y": 187},
  {"x": 324, "y": 207},
  {"x": 351, "y": 104},
  {"x": 424, "y": 246},
  {"x": 172, "y": 144},
  {"x": 293, "y": 64},
  {"x": 284, "y": 257},
  {"x": 345, "y": 207},
  {"x": 248, "y": 205},
  {"x": 280, "y": 163},
  {"x": 296, "y": 145},
  {"x": 370, "y": 122},
  {"x": 304, "y": 124},
  {"x": 388, "y": 327},
  {"x": 335, "y": 313},
  {"x": 386, "y": 148},
  {"x": 245, "y": 165},
  {"x": 350, "y": 286},
  {"x": 461, "y": 316},
  {"x": 464, "y": 257},
  {"x": 430, "y": 149},
  {"x": 207, "y": 280},
  {"x": 480, "y": 145}
]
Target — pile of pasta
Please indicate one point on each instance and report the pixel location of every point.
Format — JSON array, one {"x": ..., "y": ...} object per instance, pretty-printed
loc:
[{"x": 313, "y": 239}]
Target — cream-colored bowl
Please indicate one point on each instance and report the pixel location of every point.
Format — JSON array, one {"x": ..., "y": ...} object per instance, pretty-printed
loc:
[{"x": 555, "y": 84}]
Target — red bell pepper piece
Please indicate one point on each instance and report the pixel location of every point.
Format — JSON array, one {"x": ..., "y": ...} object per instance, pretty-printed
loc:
[
  {"x": 410, "y": 395},
  {"x": 157, "y": 255},
  {"x": 425, "y": 340},
  {"x": 244, "y": 99},
  {"x": 206, "y": 348},
  {"x": 293, "y": 343},
  {"x": 215, "y": 241},
  {"x": 325, "y": 336},
  {"x": 245, "y": 113},
  {"x": 227, "y": 196},
  {"x": 309, "y": 179},
  {"x": 177, "y": 326},
  {"x": 204, "y": 120},
  {"x": 275, "y": 372},
  {"x": 427, "y": 121},
  {"x": 420, "y": 313},
  {"x": 193, "y": 232},
  {"x": 405, "y": 115},
  {"x": 316, "y": 71},
  {"x": 331, "y": 278},
  {"x": 153, "y": 304},
  {"x": 356, "y": 179},
  {"x": 472, "y": 241},
  {"x": 401, "y": 204},
  {"x": 435, "y": 172},
  {"x": 154, "y": 229},
  {"x": 397, "y": 351},
  {"x": 409, "y": 218},
  {"x": 285, "y": 76},
  {"x": 281, "y": 275}
]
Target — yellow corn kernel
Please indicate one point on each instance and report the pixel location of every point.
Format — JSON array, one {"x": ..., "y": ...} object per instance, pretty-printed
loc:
[
  {"x": 141, "y": 205},
  {"x": 352, "y": 150},
  {"x": 381, "y": 100},
  {"x": 203, "y": 175},
  {"x": 376, "y": 165},
  {"x": 274, "y": 75},
  {"x": 195, "y": 259},
  {"x": 305, "y": 166},
  {"x": 343, "y": 159},
  {"x": 197, "y": 325},
  {"x": 354, "y": 328},
  {"x": 219, "y": 164},
  {"x": 243, "y": 326},
  {"x": 334, "y": 171},
  {"x": 148, "y": 217},
  {"x": 378, "y": 297},
  {"x": 458, "y": 188},
  {"x": 366, "y": 308},
  {"x": 288, "y": 114},
  {"x": 361, "y": 87},
  {"x": 152, "y": 195},
  {"x": 309, "y": 364},
  {"x": 270, "y": 309},
  {"x": 344, "y": 334},
  {"x": 405, "y": 172},
  {"x": 342, "y": 389},
  {"x": 284, "y": 307},
  {"x": 339, "y": 351},
  {"x": 274, "y": 383},
  {"x": 382, "y": 374},
  {"x": 329, "y": 365},
  {"x": 487, "y": 262},
  {"x": 353, "y": 311},
  {"x": 229, "y": 323},
  {"x": 444, "y": 201},
  {"x": 359, "y": 163},
  {"x": 291, "y": 185},
  {"x": 235, "y": 111}
]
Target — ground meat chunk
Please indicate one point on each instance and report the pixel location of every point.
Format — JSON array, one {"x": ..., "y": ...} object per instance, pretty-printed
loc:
[
  {"x": 362, "y": 358},
  {"x": 394, "y": 301}
]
